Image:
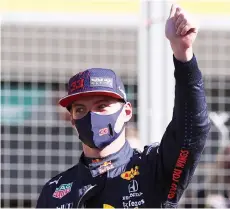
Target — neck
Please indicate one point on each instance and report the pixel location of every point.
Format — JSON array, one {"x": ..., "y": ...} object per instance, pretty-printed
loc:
[{"x": 115, "y": 146}]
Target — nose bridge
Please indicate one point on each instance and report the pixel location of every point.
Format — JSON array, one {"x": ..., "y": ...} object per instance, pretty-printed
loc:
[
  {"x": 89, "y": 108},
  {"x": 89, "y": 105},
  {"x": 89, "y": 102}
]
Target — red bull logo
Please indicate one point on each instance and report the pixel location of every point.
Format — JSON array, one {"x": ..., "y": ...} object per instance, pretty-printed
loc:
[
  {"x": 96, "y": 160},
  {"x": 128, "y": 175},
  {"x": 106, "y": 164},
  {"x": 105, "y": 167}
]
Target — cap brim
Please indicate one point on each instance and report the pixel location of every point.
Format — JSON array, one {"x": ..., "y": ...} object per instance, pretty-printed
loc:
[{"x": 67, "y": 100}]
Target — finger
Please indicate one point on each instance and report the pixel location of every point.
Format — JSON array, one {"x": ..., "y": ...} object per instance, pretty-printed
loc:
[
  {"x": 178, "y": 12},
  {"x": 179, "y": 20},
  {"x": 181, "y": 26},
  {"x": 172, "y": 11},
  {"x": 186, "y": 29}
]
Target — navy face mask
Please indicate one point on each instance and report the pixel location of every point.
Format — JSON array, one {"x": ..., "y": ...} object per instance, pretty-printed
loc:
[{"x": 97, "y": 131}]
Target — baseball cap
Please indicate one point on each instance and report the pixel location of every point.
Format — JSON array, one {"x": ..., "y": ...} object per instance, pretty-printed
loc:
[{"x": 94, "y": 81}]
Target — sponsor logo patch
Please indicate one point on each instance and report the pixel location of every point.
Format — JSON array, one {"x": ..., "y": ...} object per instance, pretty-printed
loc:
[
  {"x": 96, "y": 160},
  {"x": 131, "y": 203},
  {"x": 66, "y": 205},
  {"x": 133, "y": 191},
  {"x": 133, "y": 186},
  {"x": 105, "y": 167},
  {"x": 134, "y": 199},
  {"x": 55, "y": 181},
  {"x": 177, "y": 172},
  {"x": 84, "y": 189},
  {"x": 107, "y": 206},
  {"x": 62, "y": 190},
  {"x": 128, "y": 175}
]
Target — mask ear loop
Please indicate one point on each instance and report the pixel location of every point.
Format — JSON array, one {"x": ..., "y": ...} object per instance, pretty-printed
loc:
[{"x": 123, "y": 126}]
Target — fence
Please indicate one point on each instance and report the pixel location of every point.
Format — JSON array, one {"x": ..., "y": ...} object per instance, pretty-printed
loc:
[{"x": 38, "y": 141}]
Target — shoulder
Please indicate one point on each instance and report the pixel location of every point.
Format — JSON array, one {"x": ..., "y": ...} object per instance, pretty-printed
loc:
[
  {"x": 48, "y": 189},
  {"x": 148, "y": 150},
  {"x": 152, "y": 148},
  {"x": 63, "y": 177}
]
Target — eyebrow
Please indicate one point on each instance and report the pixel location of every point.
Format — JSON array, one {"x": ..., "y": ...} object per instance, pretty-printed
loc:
[
  {"x": 99, "y": 101},
  {"x": 102, "y": 100},
  {"x": 76, "y": 104}
]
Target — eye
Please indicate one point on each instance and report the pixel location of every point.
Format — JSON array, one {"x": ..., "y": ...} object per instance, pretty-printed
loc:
[
  {"x": 102, "y": 106},
  {"x": 79, "y": 110}
]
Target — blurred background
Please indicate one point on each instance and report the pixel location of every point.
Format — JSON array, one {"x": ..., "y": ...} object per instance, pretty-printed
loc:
[{"x": 43, "y": 43}]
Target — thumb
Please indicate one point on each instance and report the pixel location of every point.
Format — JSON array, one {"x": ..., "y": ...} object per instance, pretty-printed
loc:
[{"x": 172, "y": 11}]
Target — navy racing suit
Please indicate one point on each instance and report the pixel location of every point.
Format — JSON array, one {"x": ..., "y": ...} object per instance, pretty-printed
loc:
[{"x": 154, "y": 178}]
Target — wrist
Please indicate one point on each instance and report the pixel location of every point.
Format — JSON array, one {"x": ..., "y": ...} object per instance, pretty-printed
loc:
[{"x": 183, "y": 55}]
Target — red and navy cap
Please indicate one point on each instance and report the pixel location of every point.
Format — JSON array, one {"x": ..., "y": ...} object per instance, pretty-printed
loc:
[{"x": 94, "y": 81}]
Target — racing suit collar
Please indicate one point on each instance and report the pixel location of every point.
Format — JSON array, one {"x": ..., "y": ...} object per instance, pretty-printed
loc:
[{"x": 102, "y": 165}]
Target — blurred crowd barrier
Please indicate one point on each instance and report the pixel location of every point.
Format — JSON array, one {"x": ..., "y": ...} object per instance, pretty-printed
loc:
[{"x": 41, "y": 49}]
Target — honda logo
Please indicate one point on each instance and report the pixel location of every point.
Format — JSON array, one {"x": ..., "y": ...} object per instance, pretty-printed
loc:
[{"x": 133, "y": 186}]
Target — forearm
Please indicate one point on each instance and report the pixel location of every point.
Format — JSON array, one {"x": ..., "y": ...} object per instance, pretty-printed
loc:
[
  {"x": 190, "y": 111},
  {"x": 189, "y": 129}
]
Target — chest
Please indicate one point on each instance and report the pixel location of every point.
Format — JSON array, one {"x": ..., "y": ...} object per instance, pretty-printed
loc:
[
  {"x": 128, "y": 187},
  {"x": 126, "y": 190}
]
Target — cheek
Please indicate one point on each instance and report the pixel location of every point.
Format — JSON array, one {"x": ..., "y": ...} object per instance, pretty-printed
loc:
[
  {"x": 72, "y": 122},
  {"x": 111, "y": 109}
]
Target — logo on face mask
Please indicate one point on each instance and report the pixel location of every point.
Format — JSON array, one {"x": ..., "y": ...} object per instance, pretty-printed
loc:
[
  {"x": 103, "y": 131},
  {"x": 128, "y": 175},
  {"x": 98, "y": 131},
  {"x": 62, "y": 190}
]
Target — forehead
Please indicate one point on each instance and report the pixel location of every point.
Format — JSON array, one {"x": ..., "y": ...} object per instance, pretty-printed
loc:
[{"x": 93, "y": 99}]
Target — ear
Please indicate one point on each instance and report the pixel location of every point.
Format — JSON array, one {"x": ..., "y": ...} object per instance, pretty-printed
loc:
[{"x": 128, "y": 111}]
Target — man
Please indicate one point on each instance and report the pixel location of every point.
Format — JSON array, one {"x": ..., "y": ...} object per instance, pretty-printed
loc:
[{"x": 110, "y": 174}]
